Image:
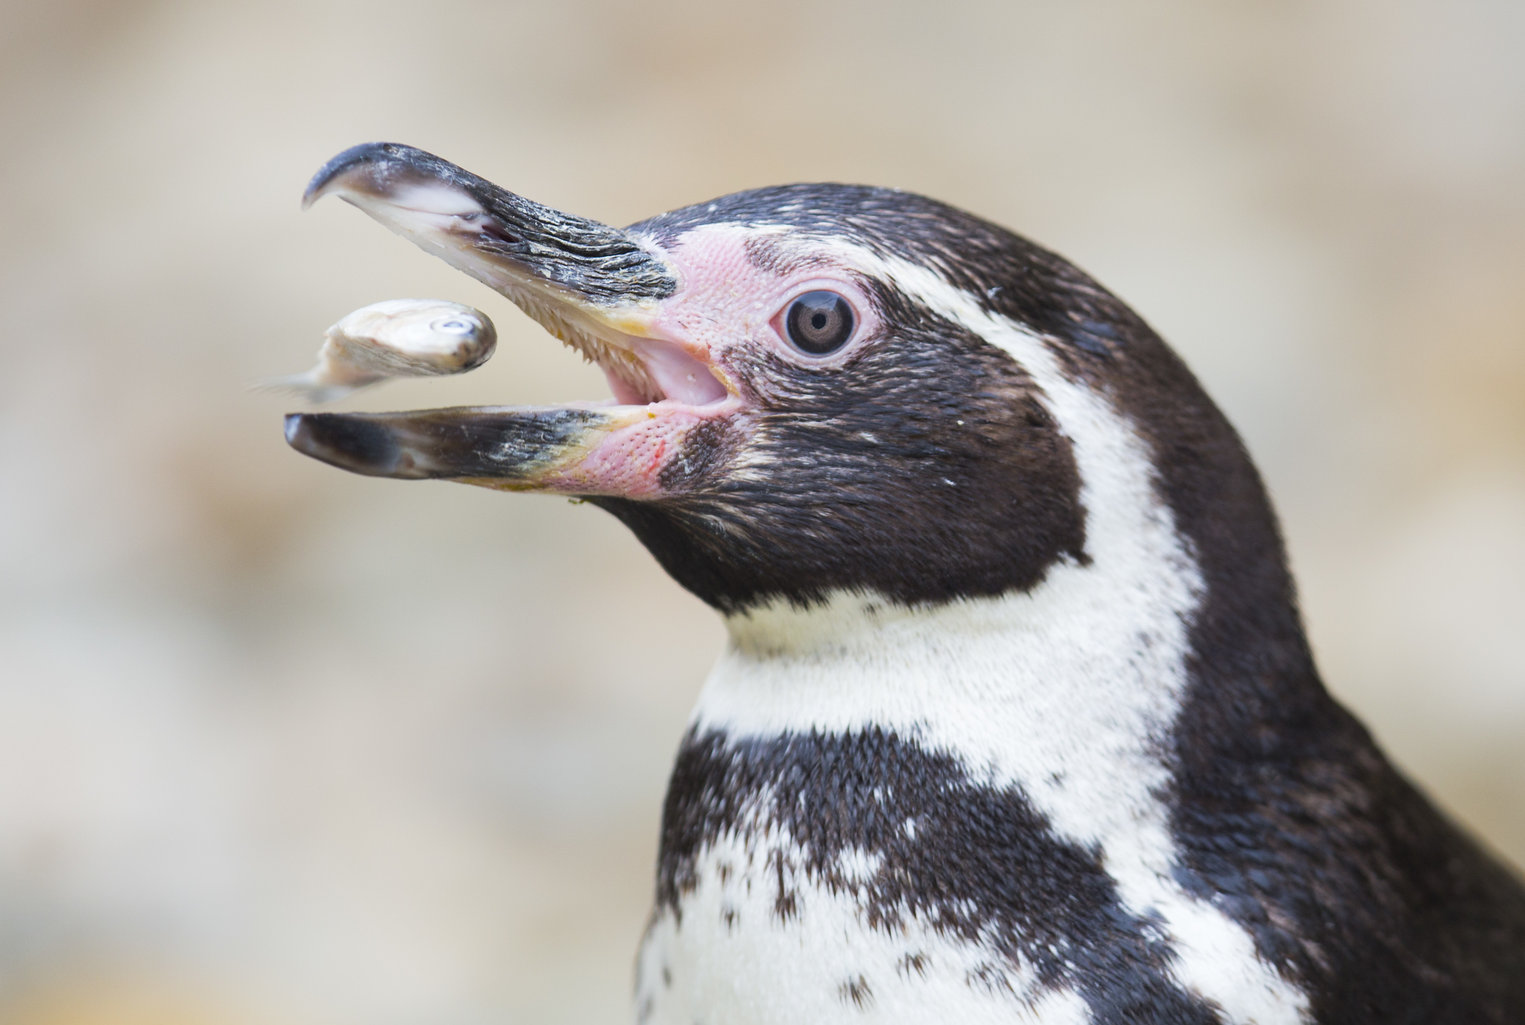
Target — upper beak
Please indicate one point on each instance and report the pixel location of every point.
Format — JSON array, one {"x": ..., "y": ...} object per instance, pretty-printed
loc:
[
  {"x": 510, "y": 243},
  {"x": 595, "y": 287}
]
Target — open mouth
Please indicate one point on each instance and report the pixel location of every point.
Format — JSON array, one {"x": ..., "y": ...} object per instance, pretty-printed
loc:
[
  {"x": 596, "y": 288},
  {"x": 639, "y": 370}
]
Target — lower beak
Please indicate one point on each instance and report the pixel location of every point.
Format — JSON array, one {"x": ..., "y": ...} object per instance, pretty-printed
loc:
[
  {"x": 510, "y": 448},
  {"x": 624, "y": 451}
]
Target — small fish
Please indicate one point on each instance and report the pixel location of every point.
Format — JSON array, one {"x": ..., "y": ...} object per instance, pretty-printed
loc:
[{"x": 395, "y": 338}]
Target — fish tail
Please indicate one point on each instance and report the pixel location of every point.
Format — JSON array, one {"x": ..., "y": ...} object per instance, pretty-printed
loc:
[{"x": 304, "y": 384}]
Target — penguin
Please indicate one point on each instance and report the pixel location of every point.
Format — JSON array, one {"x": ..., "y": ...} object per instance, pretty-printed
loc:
[{"x": 1016, "y": 721}]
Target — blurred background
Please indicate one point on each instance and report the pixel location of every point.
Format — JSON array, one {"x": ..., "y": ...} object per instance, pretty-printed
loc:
[{"x": 284, "y": 745}]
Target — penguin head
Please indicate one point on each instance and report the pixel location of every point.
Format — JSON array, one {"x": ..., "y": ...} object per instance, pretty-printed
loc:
[
  {"x": 817, "y": 388},
  {"x": 879, "y": 444}
]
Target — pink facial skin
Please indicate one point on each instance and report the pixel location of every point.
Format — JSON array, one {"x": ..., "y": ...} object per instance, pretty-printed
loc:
[
  {"x": 630, "y": 460},
  {"x": 703, "y": 349},
  {"x": 728, "y": 309}
]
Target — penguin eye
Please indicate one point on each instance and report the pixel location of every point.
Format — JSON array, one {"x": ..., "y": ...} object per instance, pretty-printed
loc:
[{"x": 819, "y": 322}]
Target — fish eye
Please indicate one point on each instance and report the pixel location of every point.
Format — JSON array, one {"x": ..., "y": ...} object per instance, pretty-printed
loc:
[
  {"x": 452, "y": 326},
  {"x": 819, "y": 322}
]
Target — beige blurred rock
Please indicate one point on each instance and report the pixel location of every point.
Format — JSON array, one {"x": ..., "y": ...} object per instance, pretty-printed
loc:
[{"x": 130, "y": 999}]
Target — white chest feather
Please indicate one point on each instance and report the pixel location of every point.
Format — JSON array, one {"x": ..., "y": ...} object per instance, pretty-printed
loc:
[{"x": 734, "y": 960}]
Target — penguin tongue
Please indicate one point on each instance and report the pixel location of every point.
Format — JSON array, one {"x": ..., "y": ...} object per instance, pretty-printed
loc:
[{"x": 670, "y": 373}]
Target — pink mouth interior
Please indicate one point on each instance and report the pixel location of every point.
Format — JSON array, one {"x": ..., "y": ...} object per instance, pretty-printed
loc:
[{"x": 671, "y": 374}]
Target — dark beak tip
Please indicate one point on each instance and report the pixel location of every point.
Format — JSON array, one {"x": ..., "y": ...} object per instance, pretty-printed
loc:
[
  {"x": 304, "y": 432},
  {"x": 299, "y": 430},
  {"x": 372, "y": 155},
  {"x": 349, "y": 442}
]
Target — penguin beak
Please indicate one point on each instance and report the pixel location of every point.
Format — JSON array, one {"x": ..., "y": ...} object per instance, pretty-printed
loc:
[
  {"x": 511, "y": 448},
  {"x": 597, "y": 288}
]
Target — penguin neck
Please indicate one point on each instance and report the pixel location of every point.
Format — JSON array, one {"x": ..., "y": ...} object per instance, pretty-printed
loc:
[
  {"x": 1080, "y": 690},
  {"x": 1070, "y": 692}
]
